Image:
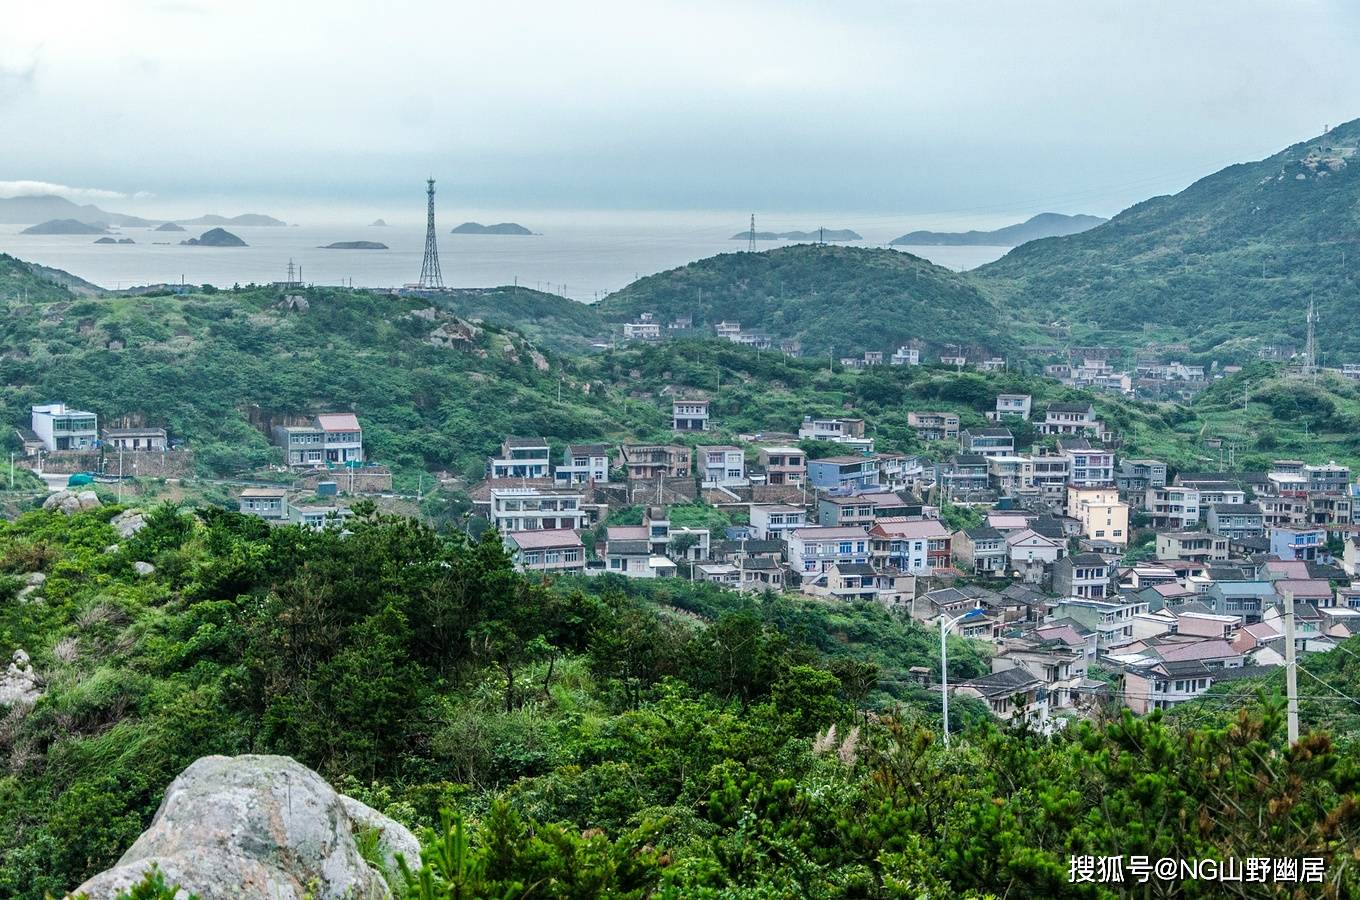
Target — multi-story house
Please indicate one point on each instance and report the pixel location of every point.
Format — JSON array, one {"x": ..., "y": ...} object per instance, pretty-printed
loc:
[
  {"x": 988, "y": 441},
  {"x": 916, "y": 546},
  {"x": 1172, "y": 506},
  {"x": 1111, "y": 620},
  {"x": 1051, "y": 475},
  {"x": 1103, "y": 516},
  {"x": 330, "y": 439},
  {"x": 1011, "y": 694},
  {"x": 1060, "y": 667},
  {"x": 645, "y": 329},
  {"x": 520, "y": 457},
  {"x": 1192, "y": 546},
  {"x": 1297, "y": 543},
  {"x": 843, "y": 473},
  {"x": 1214, "y": 487},
  {"x": 1161, "y": 684},
  {"x": 1031, "y": 554},
  {"x": 783, "y": 465},
  {"x": 1327, "y": 479},
  {"x": 135, "y": 439},
  {"x": 981, "y": 551},
  {"x": 899, "y": 470},
  {"x": 556, "y": 550},
  {"x": 61, "y": 428},
  {"x": 814, "y": 549},
  {"x": 688, "y": 414},
  {"x": 1087, "y": 466},
  {"x": 537, "y": 509},
  {"x": 1135, "y": 476},
  {"x": 1086, "y": 575},
  {"x": 1237, "y": 520},
  {"x": 774, "y": 521},
  {"x": 267, "y": 503},
  {"x": 906, "y": 356},
  {"x": 1012, "y": 406},
  {"x": 317, "y": 516},
  {"x": 934, "y": 426},
  {"x": 864, "y": 509},
  {"x": 583, "y": 464},
  {"x": 963, "y": 477},
  {"x": 1010, "y": 475},
  {"x": 849, "y": 432},
  {"x": 721, "y": 466},
  {"x": 1284, "y": 511},
  {"x": 1070, "y": 418},
  {"x": 648, "y": 462}
]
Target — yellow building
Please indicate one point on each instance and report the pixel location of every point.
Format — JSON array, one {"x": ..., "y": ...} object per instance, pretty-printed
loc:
[{"x": 1103, "y": 517}]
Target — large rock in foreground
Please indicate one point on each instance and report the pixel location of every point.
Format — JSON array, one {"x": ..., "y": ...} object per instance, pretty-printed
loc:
[{"x": 257, "y": 826}]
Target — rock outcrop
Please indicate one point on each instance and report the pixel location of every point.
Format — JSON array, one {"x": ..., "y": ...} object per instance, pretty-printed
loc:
[
  {"x": 19, "y": 683},
  {"x": 71, "y": 502},
  {"x": 258, "y": 826},
  {"x": 128, "y": 522}
]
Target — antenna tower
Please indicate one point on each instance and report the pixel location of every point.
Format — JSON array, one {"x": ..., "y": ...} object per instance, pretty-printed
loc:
[
  {"x": 751, "y": 235},
  {"x": 430, "y": 279},
  {"x": 1310, "y": 351}
]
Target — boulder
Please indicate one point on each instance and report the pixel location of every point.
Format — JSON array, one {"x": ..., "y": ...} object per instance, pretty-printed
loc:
[
  {"x": 256, "y": 826},
  {"x": 143, "y": 569},
  {"x": 128, "y": 522},
  {"x": 71, "y": 502},
  {"x": 19, "y": 683},
  {"x": 393, "y": 837}
]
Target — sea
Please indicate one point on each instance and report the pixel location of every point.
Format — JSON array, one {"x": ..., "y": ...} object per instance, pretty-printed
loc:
[{"x": 583, "y": 260}]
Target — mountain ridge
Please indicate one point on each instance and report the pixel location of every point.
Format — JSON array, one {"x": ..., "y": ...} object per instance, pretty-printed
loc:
[{"x": 1040, "y": 226}]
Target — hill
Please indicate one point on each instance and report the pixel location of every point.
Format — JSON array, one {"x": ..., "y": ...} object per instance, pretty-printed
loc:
[
  {"x": 21, "y": 280},
  {"x": 550, "y": 321},
  {"x": 507, "y": 228},
  {"x": 65, "y": 226},
  {"x": 1227, "y": 265},
  {"x": 215, "y": 237},
  {"x": 249, "y": 220},
  {"x": 29, "y": 210},
  {"x": 1041, "y": 226},
  {"x": 355, "y": 245},
  {"x": 840, "y": 299}
]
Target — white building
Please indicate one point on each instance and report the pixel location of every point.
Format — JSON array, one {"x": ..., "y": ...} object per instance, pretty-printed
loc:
[
  {"x": 535, "y": 509},
  {"x": 721, "y": 466},
  {"x": 582, "y": 463},
  {"x": 774, "y": 522},
  {"x": 814, "y": 549},
  {"x": 62, "y": 428}
]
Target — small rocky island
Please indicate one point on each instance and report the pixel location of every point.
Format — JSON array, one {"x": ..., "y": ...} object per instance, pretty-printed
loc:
[
  {"x": 215, "y": 237},
  {"x": 109, "y": 240},
  {"x": 354, "y": 245},
  {"x": 377, "y": 223},
  {"x": 65, "y": 226},
  {"x": 501, "y": 228},
  {"x": 169, "y": 226}
]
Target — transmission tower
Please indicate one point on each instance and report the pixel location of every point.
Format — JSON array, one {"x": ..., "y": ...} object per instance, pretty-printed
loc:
[
  {"x": 751, "y": 239},
  {"x": 430, "y": 279}
]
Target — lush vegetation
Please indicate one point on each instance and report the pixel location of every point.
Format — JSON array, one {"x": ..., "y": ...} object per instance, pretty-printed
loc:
[
  {"x": 840, "y": 299},
  {"x": 546, "y": 320},
  {"x": 586, "y": 742},
  {"x": 1225, "y": 266}
]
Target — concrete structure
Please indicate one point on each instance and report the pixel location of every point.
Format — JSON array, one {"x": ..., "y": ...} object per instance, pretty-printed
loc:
[
  {"x": 1087, "y": 466},
  {"x": 1192, "y": 546},
  {"x": 1111, "y": 620},
  {"x": 648, "y": 462},
  {"x": 537, "y": 509},
  {"x": 1172, "y": 506},
  {"x": 1012, "y": 406},
  {"x": 689, "y": 414},
  {"x": 981, "y": 551},
  {"x": 934, "y": 426},
  {"x": 1103, "y": 516},
  {"x": 849, "y": 432},
  {"x": 1135, "y": 476},
  {"x": 552, "y": 551},
  {"x": 988, "y": 441},
  {"x": 776, "y": 521},
  {"x": 269, "y": 503},
  {"x": 843, "y": 473},
  {"x": 721, "y": 466},
  {"x": 1069, "y": 418},
  {"x": 583, "y": 464},
  {"x": 520, "y": 457},
  {"x": 1297, "y": 543},
  {"x": 135, "y": 439},
  {"x": 1085, "y": 575},
  {"x": 59, "y": 427},
  {"x": 814, "y": 549},
  {"x": 915, "y": 546},
  {"x": 1236, "y": 521},
  {"x": 783, "y": 465}
]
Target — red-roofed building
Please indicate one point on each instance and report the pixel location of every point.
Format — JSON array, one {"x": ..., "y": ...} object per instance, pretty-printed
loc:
[{"x": 918, "y": 546}]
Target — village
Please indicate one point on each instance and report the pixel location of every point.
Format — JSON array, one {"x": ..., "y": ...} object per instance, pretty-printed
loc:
[{"x": 1092, "y": 578}]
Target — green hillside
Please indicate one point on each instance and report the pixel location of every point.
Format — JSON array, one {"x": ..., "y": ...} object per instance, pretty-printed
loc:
[
  {"x": 1226, "y": 265},
  {"x": 548, "y": 320},
  {"x": 842, "y": 299},
  {"x": 21, "y": 281}
]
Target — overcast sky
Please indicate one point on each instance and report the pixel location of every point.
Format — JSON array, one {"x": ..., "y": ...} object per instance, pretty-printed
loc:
[{"x": 964, "y": 110}]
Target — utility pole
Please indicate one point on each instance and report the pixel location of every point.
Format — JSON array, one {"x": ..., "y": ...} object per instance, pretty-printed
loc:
[
  {"x": 944, "y": 681},
  {"x": 11, "y": 470},
  {"x": 120, "y": 474},
  {"x": 1291, "y": 676}
]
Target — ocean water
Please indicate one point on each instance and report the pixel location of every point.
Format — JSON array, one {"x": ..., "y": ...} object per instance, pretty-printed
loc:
[{"x": 581, "y": 260}]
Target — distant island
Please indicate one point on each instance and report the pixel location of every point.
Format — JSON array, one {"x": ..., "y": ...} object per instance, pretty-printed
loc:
[
  {"x": 249, "y": 220},
  {"x": 169, "y": 226},
  {"x": 1040, "y": 226},
  {"x": 502, "y": 228},
  {"x": 825, "y": 234},
  {"x": 215, "y": 237},
  {"x": 109, "y": 240},
  {"x": 65, "y": 226},
  {"x": 354, "y": 245},
  {"x": 377, "y": 223},
  {"x": 27, "y": 210}
]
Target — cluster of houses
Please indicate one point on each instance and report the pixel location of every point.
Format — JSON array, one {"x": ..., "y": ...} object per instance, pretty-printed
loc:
[
  {"x": 57, "y": 428},
  {"x": 1044, "y": 578}
]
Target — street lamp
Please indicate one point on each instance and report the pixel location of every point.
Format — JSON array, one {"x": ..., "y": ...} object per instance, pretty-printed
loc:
[{"x": 947, "y": 623}]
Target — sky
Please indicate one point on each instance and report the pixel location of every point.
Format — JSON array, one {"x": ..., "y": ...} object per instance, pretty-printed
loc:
[{"x": 963, "y": 112}]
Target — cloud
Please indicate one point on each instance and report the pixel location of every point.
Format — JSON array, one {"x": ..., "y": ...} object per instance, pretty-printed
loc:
[{"x": 75, "y": 194}]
